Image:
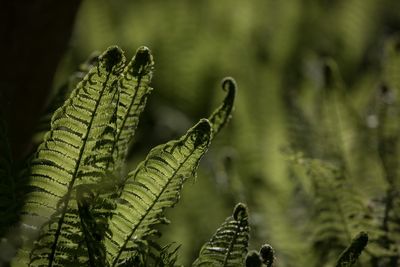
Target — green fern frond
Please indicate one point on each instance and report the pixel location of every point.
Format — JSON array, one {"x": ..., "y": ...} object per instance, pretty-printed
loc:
[
  {"x": 228, "y": 246},
  {"x": 152, "y": 187},
  {"x": 75, "y": 151},
  {"x": 353, "y": 251},
  {"x": 223, "y": 113},
  {"x": 134, "y": 89}
]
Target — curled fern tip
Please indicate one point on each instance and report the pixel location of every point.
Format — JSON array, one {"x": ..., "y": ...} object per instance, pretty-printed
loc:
[
  {"x": 229, "y": 84},
  {"x": 240, "y": 212}
]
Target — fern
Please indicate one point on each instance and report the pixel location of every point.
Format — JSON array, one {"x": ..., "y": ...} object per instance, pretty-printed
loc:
[
  {"x": 134, "y": 89},
  {"x": 223, "y": 113},
  {"x": 219, "y": 118},
  {"x": 79, "y": 211},
  {"x": 151, "y": 188},
  {"x": 228, "y": 246},
  {"x": 74, "y": 152}
]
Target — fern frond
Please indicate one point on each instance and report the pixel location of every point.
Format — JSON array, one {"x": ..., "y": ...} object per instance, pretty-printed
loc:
[
  {"x": 75, "y": 151},
  {"x": 222, "y": 114},
  {"x": 134, "y": 89},
  {"x": 353, "y": 251},
  {"x": 152, "y": 187},
  {"x": 228, "y": 246}
]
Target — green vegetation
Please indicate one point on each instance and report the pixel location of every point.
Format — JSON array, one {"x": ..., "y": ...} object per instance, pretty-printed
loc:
[
  {"x": 312, "y": 150},
  {"x": 80, "y": 208}
]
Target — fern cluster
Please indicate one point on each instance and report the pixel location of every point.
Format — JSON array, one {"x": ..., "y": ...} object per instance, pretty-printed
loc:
[{"x": 80, "y": 207}]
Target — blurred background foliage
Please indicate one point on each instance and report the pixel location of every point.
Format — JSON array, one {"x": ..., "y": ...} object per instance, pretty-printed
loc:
[{"x": 313, "y": 77}]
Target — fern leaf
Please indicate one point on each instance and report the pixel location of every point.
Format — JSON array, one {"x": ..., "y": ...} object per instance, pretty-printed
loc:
[
  {"x": 228, "y": 246},
  {"x": 351, "y": 253},
  {"x": 134, "y": 90},
  {"x": 222, "y": 114},
  {"x": 75, "y": 151},
  {"x": 152, "y": 187}
]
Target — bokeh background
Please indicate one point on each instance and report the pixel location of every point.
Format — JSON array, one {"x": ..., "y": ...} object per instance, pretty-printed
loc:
[{"x": 284, "y": 55}]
